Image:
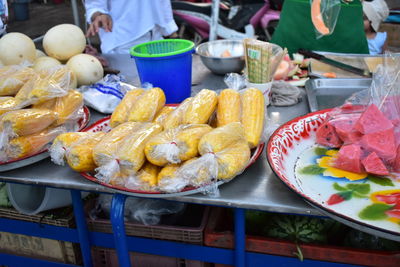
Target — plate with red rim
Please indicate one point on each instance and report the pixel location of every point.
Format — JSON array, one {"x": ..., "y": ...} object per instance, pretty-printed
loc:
[
  {"x": 103, "y": 126},
  {"x": 28, "y": 160},
  {"x": 362, "y": 199}
]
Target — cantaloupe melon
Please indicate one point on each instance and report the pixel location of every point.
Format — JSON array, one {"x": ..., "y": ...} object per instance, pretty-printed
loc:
[
  {"x": 317, "y": 18},
  {"x": 15, "y": 48},
  {"x": 45, "y": 63},
  {"x": 64, "y": 41},
  {"x": 86, "y": 68}
]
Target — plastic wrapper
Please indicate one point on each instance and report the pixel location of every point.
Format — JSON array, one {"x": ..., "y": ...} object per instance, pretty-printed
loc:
[
  {"x": 121, "y": 112},
  {"x": 30, "y": 144},
  {"x": 324, "y": 15},
  {"x": 128, "y": 157},
  {"x": 175, "y": 145},
  {"x": 201, "y": 107},
  {"x": 145, "y": 211},
  {"x": 12, "y": 78},
  {"x": 229, "y": 107},
  {"x": 145, "y": 108},
  {"x": 366, "y": 128},
  {"x": 105, "y": 95},
  {"x": 7, "y": 103},
  {"x": 175, "y": 117},
  {"x": 162, "y": 115},
  {"x": 69, "y": 108},
  {"x": 49, "y": 104},
  {"x": 145, "y": 179}
]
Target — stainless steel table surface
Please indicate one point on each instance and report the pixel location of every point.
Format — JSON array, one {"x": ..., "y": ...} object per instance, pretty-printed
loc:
[{"x": 257, "y": 188}]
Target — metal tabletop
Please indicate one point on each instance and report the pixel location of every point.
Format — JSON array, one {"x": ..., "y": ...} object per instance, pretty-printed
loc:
[{"x": 257, "y": 188}]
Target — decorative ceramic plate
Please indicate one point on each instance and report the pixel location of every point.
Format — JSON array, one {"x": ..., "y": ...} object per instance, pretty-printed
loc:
[
  {"x": 369, "y": 201},
  {"x": 17, "y": 163},
  {"x": 103, "y": 126}
]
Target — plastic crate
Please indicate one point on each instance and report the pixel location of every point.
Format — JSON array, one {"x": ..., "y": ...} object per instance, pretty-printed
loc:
[
  {"x": 188, "y": 228},
  {"x": 219, "y": 234},
  {"x": 103, "y": 257},
  {"x": 37, "y": 247}
]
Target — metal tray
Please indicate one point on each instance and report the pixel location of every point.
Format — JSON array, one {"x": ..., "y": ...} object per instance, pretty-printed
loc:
[{"x": 330, "y": 93}]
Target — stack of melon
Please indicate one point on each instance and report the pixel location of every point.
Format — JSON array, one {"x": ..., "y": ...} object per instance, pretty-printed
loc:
[{"x": 63, "y": 44}]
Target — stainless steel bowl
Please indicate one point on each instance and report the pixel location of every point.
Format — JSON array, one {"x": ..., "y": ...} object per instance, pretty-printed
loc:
[{"x": 211, "y": 56}]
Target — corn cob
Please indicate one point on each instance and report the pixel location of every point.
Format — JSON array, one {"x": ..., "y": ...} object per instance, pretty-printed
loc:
[
  {"x": 228, "y": 109},
  {"x": 146, "y": 178},
  {"x": 62, "y": 143},
  {"x": 221, "y": 137},
  {"x": 30, "y": 144},
  {"x": 68, "y": 106},
  {"x": 175, "y": 145},
  {"x": 104, "y": 151},
  {"x": 175, "y": 118},
  {"x": 147, "y": 105},
  {"x": 120, "y": 114},
  {"x": 253, "y": 109},
  {"x": 201, "y": 108},
  {"x": 7, "y": 103},
  {"x": 12, "y": 78},
  {"x": 131, "y": 150},
  {"x": 49, "y": 104},
  {"x": 27, "y": 121},
  {"x": 196, "y": 171},
  {"x": 167, "y": 173},
  {"x": 80, "y": 154},
  {"x": 162, "y": 115},
  {"x": 233, "y": 160},
  {"x": 22, "y": 97}
]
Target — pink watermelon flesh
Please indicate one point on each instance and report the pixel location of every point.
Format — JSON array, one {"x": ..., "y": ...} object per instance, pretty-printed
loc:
[
  {"x": 349, "y": 158},
  {"x": 396, "y": 165},
  {"x": 344, "y": 126},
  {"x": 373, "y": 164},
  {"x": 327, "y": 136},
  {"x": 372, "y": 120},
  {"x": 382, "y": 143}
]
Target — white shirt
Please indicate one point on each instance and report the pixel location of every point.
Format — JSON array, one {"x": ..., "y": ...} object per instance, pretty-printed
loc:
[
  {"x": 375, "y": 45},
  {"x": 132, "y": 19},
  {"x": 3, "y": 16}
]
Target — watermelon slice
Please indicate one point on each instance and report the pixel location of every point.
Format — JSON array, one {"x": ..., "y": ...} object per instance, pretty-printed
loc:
[
  {"x": 344, "y": 126},
  {"x": 396, "y": 165},
  {"x": 349, "y": 158},
  {"x": 382, "y": 143},
  {"x": 373, "y": 164},
  {"x": 327, "y": 136},
  {"x": 372, "y": 120}
]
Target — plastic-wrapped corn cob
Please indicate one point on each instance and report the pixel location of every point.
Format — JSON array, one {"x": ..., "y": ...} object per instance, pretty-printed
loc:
[
  {"x": 7, "y": 103},
  {"x": 175, "y": 145},
  {"x": 147, "y": 105},
  {"x": 175, "y": 118},
  {"x": 30, "y": 144},
  {"x": 253, "y": 115},
  {"x": 80, "y": 155},
  {"x": 62, "y": 143},
  {"x": 233, "y": 160},
  {"x": 167, "y": 180},
  {"x": 129, "y": 157},
  {"x": 12, "y": 78},
  {"x": 162, "y": 115},
  {"x": 221, "y": 137},
  {"x": 145, "y": 179},
  {"x": 49, "y": 104},
  {"x": 104, "y": 151},
  {"x": 201, "y": 107},
  {"x": 120, "y": 114},
  {"x": 69, "y": 107},
  {"x": 228, "y": 109}
]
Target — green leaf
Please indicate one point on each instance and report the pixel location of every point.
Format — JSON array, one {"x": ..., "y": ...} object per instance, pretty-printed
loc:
[
  {"x": 380, "y": 180},
  {"x": 359, "y": 188},
  {"x": 346, "y": 195},
  {"x": 299, "y": 253},
  {"x": 312, "y": 170},
  {"x": 358, "y": 195},
  {"x": 320, "y": 151},
  {"x": 337, "y": 187},
  {"x": 375, "y": 212}
]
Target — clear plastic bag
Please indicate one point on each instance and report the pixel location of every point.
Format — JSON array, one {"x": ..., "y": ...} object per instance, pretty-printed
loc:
[
  {"x": 324, "y": 15},
  {"x": 69, "y": 109},
  {"x": 12, "y": 78},
  {"x": 147, "y": 105}
]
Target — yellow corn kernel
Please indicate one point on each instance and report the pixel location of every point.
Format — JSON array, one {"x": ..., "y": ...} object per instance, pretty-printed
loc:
[
  {"x": 221, "y": 137},
  {"x": 147, "y": 105},
  {"x": 131, "y": 150},
  {"x": 162, "y": 115},
  {"x": 175, "y": 118},
  {"x": 233, "y": 160},
  {"x": 68, "y": 106},
  {"x": 27, "y": 121},
  {"x": 105, "y": 150},
  {"x": 201, "y": 108},
  {"x": 175, "y": 145},
  {"x": 12, "y": 78},
  {"x": 7, "y": 103},
  {"x": 253, "y": 113},
  {"x": 120, "y": 114},
  {"x": 228, "y": 109},
  {"x": 80, "y": 154}
]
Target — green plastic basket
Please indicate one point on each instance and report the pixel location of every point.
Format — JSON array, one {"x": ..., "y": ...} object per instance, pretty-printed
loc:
[{"x": 162, "y": 48}]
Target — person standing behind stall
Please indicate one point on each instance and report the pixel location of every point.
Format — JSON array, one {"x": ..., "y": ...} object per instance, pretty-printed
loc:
[
  {"x": 122, "y": 24},
  {"x": 375, "y": 13},
  {"x": 296, "y": 30}
]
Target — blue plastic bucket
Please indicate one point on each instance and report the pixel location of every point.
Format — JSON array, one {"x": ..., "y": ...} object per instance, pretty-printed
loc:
[
  {"x": 169, "y": 67},
  {"x": 21, "y": 11}
]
